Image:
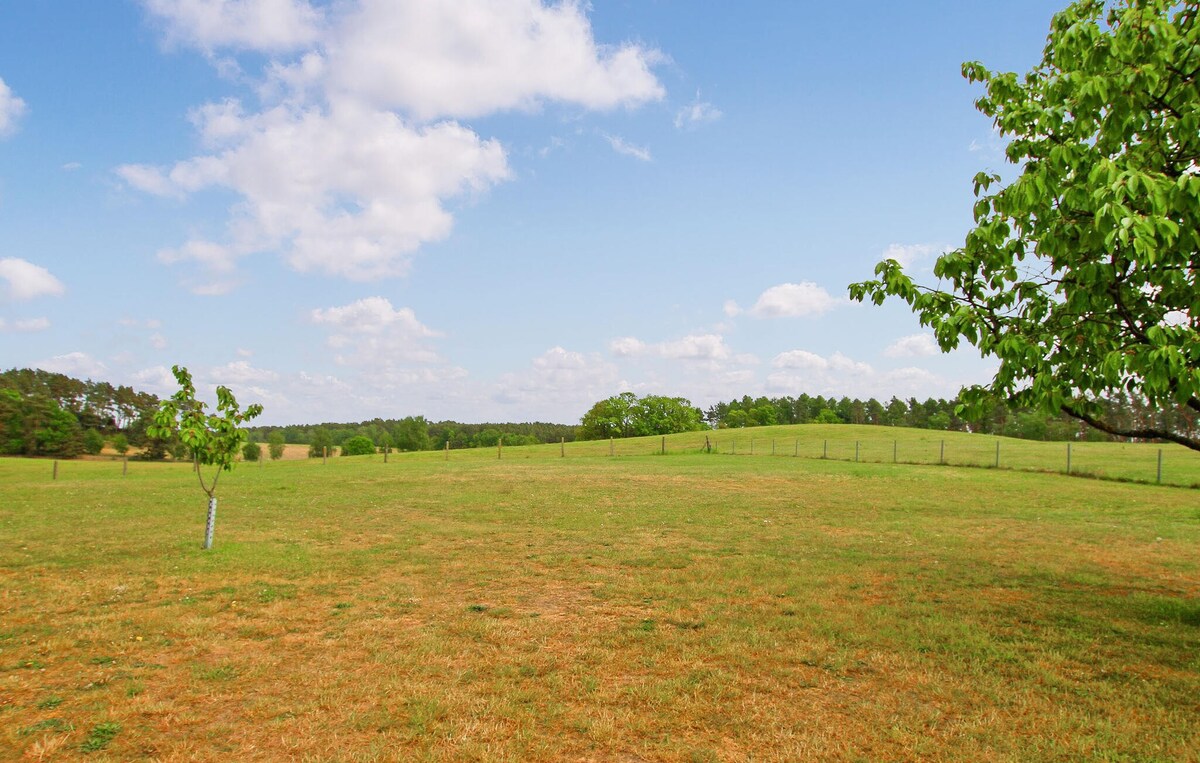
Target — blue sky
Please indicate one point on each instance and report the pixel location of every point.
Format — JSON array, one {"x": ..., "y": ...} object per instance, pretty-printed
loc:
[{"x": 500, "y": 210}]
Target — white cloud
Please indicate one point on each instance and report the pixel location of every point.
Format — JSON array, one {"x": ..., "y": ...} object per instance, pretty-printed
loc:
[
  {"x": 349, "y": 191},
  {"x": 559, "y": 385},
  {"x": 469, "y": 59},
  {"x": 27, "y": 281},
  {"x": 696, "y": 113},
  {"x": 800, "y": 359},
  {"x": 241, "y": 372},
  {"x": 26, "y": 325},
  {"x": 695, "y": 347},
  {"x": 910, "y": 254},
  {"x": 800, "y": 371},
  {"x": 346, "y": 169},
  {"x": 628, "y": 149},
  {"x": 387, "y": 343},
  {"x": 266, "y": 25},
  {"x": 790, "y": 300},
  {"x": 732, "y": 309},
  {"x": 701, "y": 347},
  {"x": 158, "y": 341},
  {"x": 626, "y": 346},
  {"x": 912, "y": 346},
  {"x": 158, "y": 380},
  {"x": 72, "y": 166},
  {"x": 12, "y": 109},
  {"x": 77, "y": 364}
]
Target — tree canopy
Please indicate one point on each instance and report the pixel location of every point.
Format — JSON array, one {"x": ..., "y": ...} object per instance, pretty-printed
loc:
[
  {"x": 1080, "y": 276},
  {"x": 627, "y": 415}
]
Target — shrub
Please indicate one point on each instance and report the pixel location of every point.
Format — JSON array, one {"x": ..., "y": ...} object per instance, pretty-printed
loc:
[
  {"x": 251, "y": 451},
  {"x": 93, "y": 442},
  {"x": 359, "y": 445}
]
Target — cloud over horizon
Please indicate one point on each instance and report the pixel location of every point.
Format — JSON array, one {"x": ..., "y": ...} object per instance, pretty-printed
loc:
[{"x": 350, "y": 166}]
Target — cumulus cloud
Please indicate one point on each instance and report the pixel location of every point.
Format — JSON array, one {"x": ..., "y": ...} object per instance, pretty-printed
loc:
[
  {"x": 25, "y": 325},
  {"x": 12, "y": 109},
  {"x": 912, "y": 346},
  {"x": 77, "y": 364},
  {"x": 697, "y": 347},
  {"x": 910, "y": 254},
  {"x": 627, "y": 346},
  {"x": 789, "y": 300},
  {"x": 800, "y": 371},
  {"x": 469, "y": 59},
  {"x": 241, "y": 372},
  {"x": 696, "y": 113},
  {"x": 26, "y": 281},
  {"x": 265, "y": 25},
  {"x": 390, "y": 343},
  {"x": 628, "y": 149},
  {"x": 350, "y": 165},
  {"x": 349, "y": 190},
  {"x": 157, "y": 379},
  {"x": 559, "y": 385}
]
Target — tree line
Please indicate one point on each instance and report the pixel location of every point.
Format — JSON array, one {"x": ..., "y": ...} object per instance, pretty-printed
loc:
[
  {"x": 43, "y": 413},
  {"x": 411, "y": 433},
  {"x": 997, "y": 416}
]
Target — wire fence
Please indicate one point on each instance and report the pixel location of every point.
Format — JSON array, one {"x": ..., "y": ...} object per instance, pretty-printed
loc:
[
  {"x": 1134, "y": 462},
  {"x": 1131, "y": 462}
]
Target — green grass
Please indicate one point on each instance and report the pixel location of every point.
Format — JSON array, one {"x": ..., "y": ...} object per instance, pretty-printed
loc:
[{"x": 534, "y": 607}]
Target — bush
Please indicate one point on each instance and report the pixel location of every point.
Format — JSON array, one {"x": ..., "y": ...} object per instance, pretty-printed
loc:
[
  {"x": 120, "y": 443},
  {"x": 251, "y": 451},
  {"x": 359, "y": 445},
  {"x": 321, "y": 442},
  {"x": 275, "y": 445},
  {"x": 93, "y": 442}
]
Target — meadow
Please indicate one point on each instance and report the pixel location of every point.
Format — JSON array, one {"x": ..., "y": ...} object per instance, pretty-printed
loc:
[{"x": 519, "y": 605}]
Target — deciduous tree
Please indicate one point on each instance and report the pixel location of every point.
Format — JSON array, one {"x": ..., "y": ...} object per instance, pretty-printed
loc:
[
  {"x": 1080, "y": 276},
  {"x": 212, "y": 439}
]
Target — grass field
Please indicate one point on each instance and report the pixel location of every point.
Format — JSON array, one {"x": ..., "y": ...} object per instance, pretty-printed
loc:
[{"x": 691, "y": 607}]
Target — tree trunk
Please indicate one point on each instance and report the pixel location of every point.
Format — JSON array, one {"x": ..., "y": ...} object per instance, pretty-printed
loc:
[{"x": 212, "y": 522}]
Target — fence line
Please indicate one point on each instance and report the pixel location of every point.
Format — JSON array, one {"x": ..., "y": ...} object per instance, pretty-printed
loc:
[{"x": 1112, "y": 461}]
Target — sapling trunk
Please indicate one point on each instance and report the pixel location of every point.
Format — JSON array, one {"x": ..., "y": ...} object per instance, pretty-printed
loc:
[{"x": 212, "y": 522}]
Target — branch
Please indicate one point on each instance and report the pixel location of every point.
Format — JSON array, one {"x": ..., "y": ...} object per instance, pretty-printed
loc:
[
  {"x": 200, "y": 476},
  {"x": 1141, "y": 434}
]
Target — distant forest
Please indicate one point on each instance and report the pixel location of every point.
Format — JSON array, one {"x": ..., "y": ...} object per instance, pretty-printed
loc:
[
  {"x": 54, "y": 415},
  {"x": 933, "y": 413}
]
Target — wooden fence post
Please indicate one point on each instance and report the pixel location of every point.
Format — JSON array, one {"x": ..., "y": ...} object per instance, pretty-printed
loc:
[
  {"x": 997, "y": 454},
  {"x": 562, "y": 444},
  {"x": 447, "y": 450},
  {"x": 664, "y": 445},
  {"x": 610, "y": 446},
  {"x": 124, "y": 465},
  {"x": 1068, "y": 458},
  {"x": 1159, "y": 466},
  {"x": 56, "y": 466},
  {"x": 500, "y": 448},
  {"x": 324, "y": 454}
]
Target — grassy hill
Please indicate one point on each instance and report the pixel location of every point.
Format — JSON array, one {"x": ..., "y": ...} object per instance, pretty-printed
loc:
[
  {"x": 874, "y": 444},
  {"x": 536, "y": 607}
]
